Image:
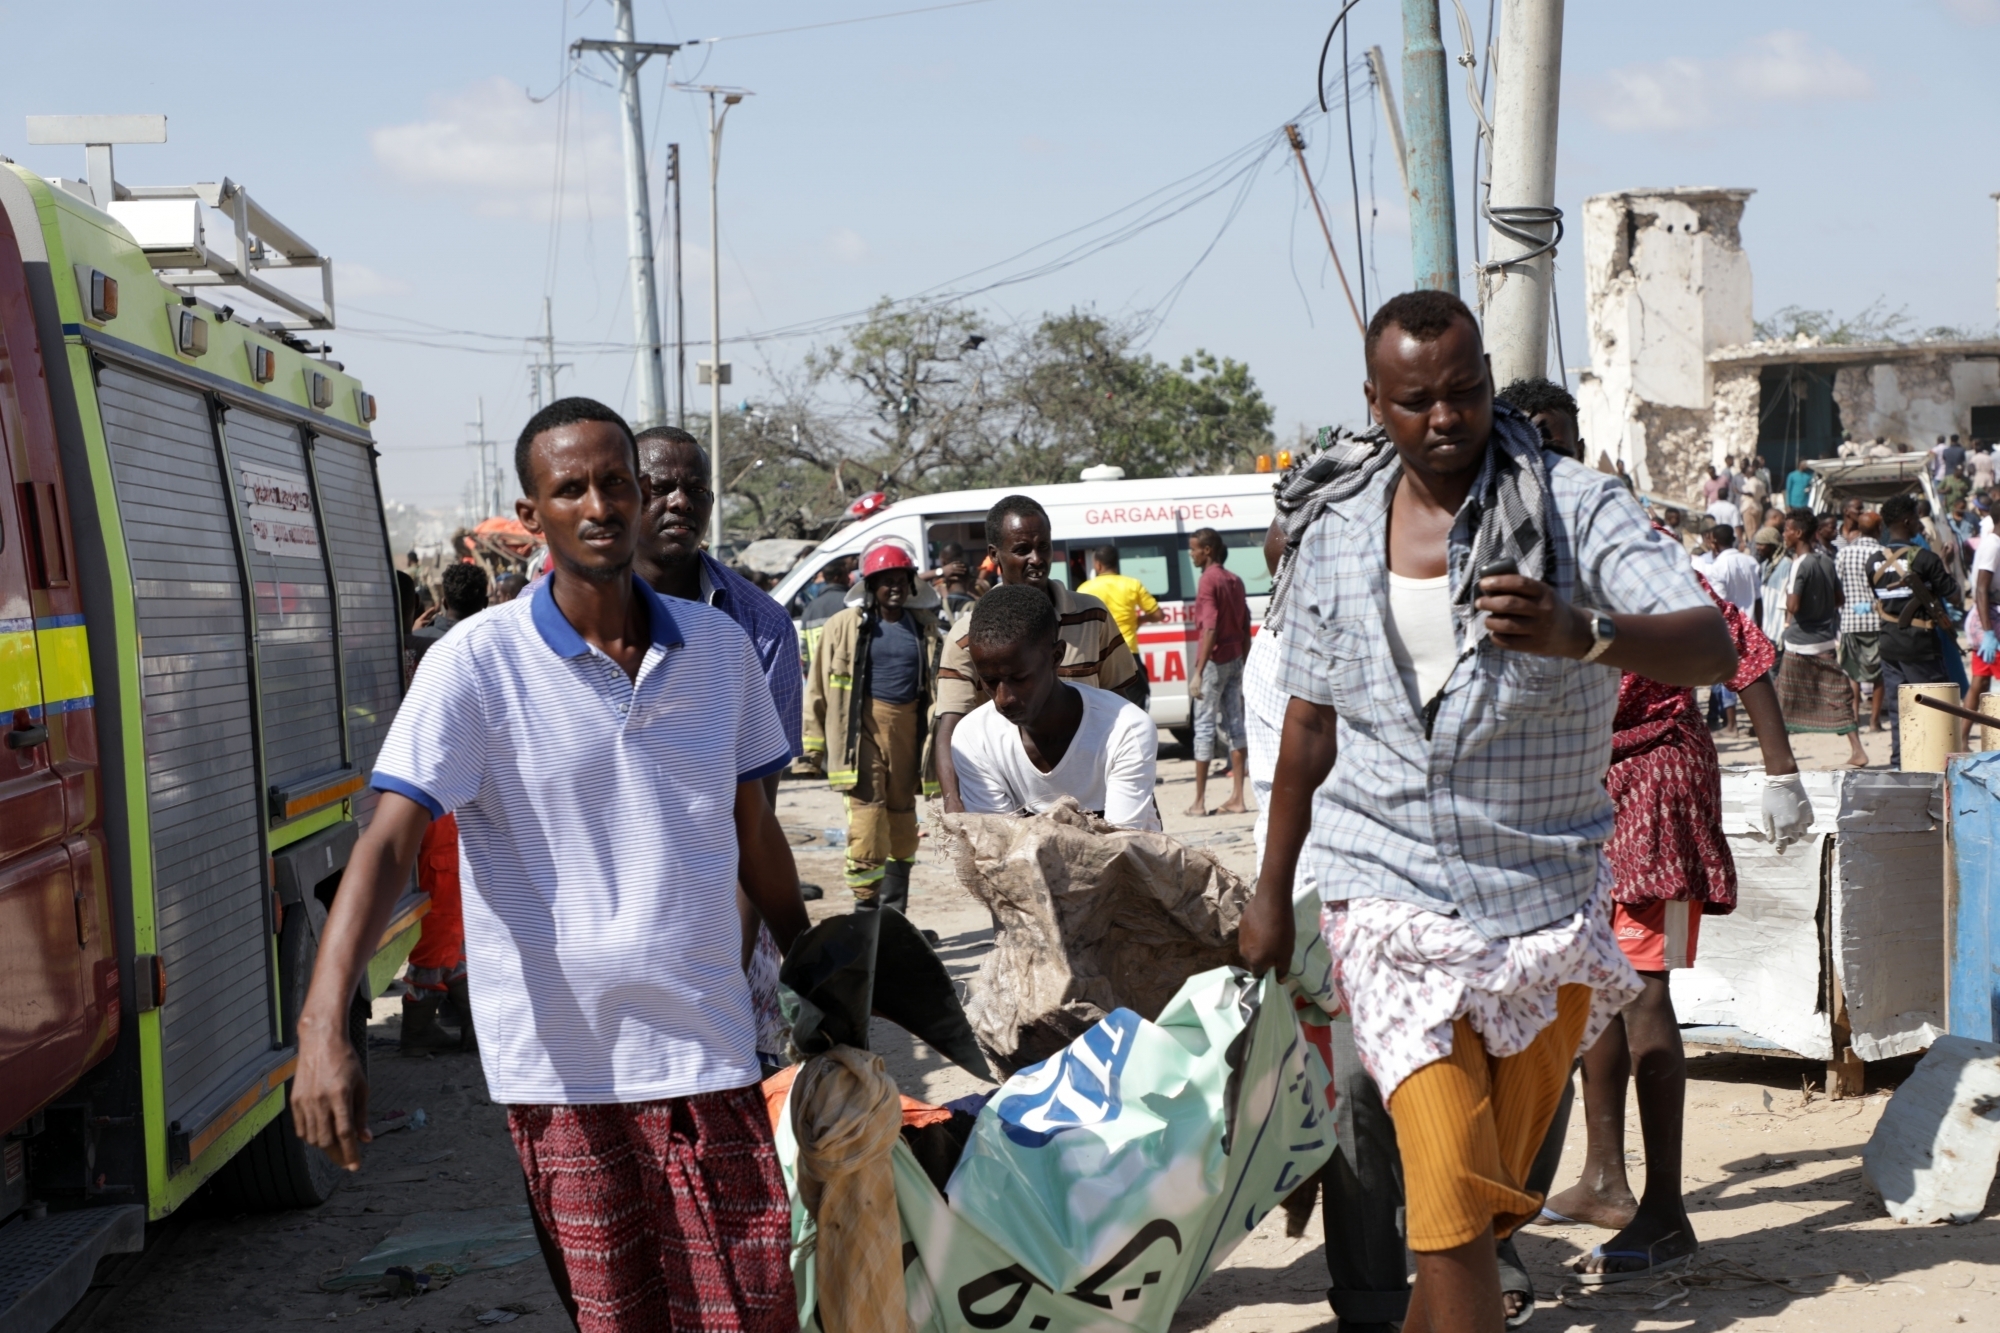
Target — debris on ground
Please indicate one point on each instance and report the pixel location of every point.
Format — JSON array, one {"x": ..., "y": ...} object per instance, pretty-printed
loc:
[
  {"x": 1934, "y": 1151},
  {"x": 444, "y": 1245}
]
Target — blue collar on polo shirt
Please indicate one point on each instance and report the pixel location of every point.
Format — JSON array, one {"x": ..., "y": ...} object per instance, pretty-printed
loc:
[{"x": 564, "y": 641}]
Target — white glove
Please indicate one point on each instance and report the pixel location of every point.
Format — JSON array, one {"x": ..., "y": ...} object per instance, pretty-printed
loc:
[{"x": 1786, "y": 814}]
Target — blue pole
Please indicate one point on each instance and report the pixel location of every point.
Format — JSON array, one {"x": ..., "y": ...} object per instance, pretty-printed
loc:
[{"x": 1433, "y": 210}]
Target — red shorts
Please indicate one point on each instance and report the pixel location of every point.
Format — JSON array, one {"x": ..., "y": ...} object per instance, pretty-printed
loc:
[
  {"x": 1657, "y": 936},
  {"x": 1978, "y": 666},
  {"x": 669, "y": 1214}
]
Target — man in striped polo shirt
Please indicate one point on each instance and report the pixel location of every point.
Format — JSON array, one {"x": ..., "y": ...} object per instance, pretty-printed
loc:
[{"x": 603, "y": 749}]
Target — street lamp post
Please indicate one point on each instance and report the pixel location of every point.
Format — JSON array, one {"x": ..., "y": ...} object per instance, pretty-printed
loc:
[{"x": 716, "y": 115}]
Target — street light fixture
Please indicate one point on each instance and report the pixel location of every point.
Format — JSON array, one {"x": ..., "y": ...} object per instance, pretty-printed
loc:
[{"x": 720, "y": 99}]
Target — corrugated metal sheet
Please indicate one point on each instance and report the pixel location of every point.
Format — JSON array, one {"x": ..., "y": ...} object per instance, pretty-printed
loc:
[
  {"x": 295, "y": 647},
  {"x": 201, "y": 774},
  {"x": 370, "y": 629},
  {"x": 1972, "y": 912},
  {"x": 1860, "y": 900}
]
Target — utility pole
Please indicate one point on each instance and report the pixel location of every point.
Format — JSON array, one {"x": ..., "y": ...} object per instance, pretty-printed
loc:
[
  {"x": 629, "y": 55},
  {"x": 1298, "y": 144},
  {"x": 1378, "y": 64},
  {"x": 680, "y": 302},
  {"x": 1996, "y": 280},
  {"x": 718, "y": 372},
  {"x": 486, "y": 494},
  {"x": 548, "y": 365},
  {"x": 1433, "y": 209},
  {"x": 1525, "y": 223}
]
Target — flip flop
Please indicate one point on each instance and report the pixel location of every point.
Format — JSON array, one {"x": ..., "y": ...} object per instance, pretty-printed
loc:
[
  {"x": 1551, "y": 1217},
  {"x": 1651, "y": 1270},
  {"x": 1514, "y": 1277}
]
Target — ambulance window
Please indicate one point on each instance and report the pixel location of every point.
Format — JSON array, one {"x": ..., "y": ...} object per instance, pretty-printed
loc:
[
  {"x": 1244, "y": 559},
  {"x": 1150, "y": 561}
]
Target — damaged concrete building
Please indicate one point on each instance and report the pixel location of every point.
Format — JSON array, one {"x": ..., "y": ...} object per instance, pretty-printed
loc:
[{"x": 1679, "y": 380}]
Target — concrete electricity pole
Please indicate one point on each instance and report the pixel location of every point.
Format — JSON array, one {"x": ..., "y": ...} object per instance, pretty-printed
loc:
[
  {"x": 680, "y": 304},
  {"x": 1514, "y": 286},
  {"x": 1433, "y": 210},
  {"x": 549, "y": 365},
  {"x": 718, "y": 373},
  {"x": 1996, "y": 279},
  {"x": 629, "y": 55}
]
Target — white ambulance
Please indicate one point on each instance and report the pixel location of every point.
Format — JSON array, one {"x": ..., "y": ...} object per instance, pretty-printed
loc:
[{"x": 1148, "y": 521}]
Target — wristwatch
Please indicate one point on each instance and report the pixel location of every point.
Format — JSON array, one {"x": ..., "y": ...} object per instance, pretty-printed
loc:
[{"x": 1603, "y": 632}]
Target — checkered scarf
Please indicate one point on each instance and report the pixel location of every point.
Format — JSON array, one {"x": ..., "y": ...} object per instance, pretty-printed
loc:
[{"x": 1509, "y": 521}]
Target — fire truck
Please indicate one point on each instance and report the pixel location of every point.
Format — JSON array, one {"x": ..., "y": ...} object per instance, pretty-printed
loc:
[{"x": 201, "y": 649}]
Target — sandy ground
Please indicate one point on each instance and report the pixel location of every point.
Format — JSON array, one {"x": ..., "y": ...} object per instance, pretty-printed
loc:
[{"x": 1792, "y": 1240}]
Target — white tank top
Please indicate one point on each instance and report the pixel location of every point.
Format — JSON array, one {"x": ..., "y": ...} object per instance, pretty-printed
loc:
[{"x": 1422, "y": 639}]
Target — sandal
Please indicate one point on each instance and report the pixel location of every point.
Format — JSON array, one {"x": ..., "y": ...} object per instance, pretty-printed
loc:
[
  {"x": 1514, "y": 1277},
  {"x": 1654, "y": 1268}
]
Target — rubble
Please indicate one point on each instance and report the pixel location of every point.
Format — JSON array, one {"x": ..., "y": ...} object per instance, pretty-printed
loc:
[{"x": 1933, "y": 1153}]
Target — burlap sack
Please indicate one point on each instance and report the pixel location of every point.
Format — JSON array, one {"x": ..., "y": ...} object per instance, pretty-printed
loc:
[
  {"x": 846, "y": 1116},
  {"x": 1090, "y": 918}
]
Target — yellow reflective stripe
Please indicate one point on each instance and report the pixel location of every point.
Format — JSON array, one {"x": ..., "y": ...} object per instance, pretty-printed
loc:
[
  {"x": 933, "y": 789},
  {"x": 815, "y": 745},
  {"x": 20, "y": 683},
  {"x": 840, "y": 680},
  {"x": 844, "y": 777},
  {"x": 65, "y": 653}
]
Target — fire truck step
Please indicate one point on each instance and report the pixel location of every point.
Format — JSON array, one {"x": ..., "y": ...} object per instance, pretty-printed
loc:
[{"x": 46, "y": 1263}]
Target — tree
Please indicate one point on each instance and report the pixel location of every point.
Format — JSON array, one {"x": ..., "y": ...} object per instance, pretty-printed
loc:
[{"x": 935, "y": 397}]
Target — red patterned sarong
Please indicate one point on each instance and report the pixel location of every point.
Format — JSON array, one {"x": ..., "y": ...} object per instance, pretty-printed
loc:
[{"x": 671, "y": 1215}]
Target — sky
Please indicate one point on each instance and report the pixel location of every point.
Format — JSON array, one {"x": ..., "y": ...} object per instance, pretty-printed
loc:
[{"x": 945, "y": 151}]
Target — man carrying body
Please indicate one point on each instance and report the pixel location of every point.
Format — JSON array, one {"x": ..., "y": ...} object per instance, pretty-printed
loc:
[
  {"x": 1458, "y": 843},
  {"x": 867, "y": 703},
  {"x": 604, "y": 749},
  {"x": 1039, "y": 738},
  {"x": 1131, "y": 604},
  {"x": 1913, "y": 593},
  {"x": 1093, "y": 651},
  {"x": 1215, "y": 684}
]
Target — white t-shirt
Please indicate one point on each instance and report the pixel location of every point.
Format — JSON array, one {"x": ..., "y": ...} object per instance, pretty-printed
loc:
[
  {"x": 1736, "y": 579},
  {"x": 1110, "y": 764},
  {"x": 1422, "y": 640},
  {"x": 1725, "y": 511},
  {"x": 1986, "y": 558}
]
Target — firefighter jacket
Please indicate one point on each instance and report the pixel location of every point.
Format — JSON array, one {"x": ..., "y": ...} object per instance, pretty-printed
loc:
[{"x": 837, "y": 693}]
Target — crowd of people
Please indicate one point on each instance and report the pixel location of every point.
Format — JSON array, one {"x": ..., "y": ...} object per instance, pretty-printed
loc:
[{"x": 1468, "y": 723}]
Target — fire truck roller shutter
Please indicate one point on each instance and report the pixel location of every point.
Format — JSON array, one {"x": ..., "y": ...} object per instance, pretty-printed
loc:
[
  {"x": 203, "y": 797},
  {"x": 299, "y": 672},
  {"x": 371, "y": 641}
]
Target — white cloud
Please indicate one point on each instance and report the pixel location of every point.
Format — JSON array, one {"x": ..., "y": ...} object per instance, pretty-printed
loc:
[
  {"x": 845, "y": 245},
  {"x": 1683, "y": 94},
  {"x": 490, "y": 143},
  {"x": 1979, "y": 13}
]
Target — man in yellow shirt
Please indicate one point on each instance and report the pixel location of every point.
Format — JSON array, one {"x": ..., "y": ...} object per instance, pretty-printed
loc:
[{"x": 1129, "y": 604}]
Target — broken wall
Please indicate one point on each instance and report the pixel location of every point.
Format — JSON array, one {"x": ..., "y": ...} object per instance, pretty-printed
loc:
[{"x": 1666, "y": 284}]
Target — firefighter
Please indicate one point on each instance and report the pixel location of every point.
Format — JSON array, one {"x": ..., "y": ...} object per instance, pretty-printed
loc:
[{"x": 868, "y": 701}]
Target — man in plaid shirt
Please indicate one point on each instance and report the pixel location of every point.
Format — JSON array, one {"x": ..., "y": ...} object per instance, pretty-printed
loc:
[
  {"x": 1441, "y": 772},
  {"x": 1860, "y": 623}
]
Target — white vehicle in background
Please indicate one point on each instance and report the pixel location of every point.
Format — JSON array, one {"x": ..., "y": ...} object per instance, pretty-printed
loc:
[{"x": 1148, "y": 521}]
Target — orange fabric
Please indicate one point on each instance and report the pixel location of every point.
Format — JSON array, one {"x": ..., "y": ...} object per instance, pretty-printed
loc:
[
  {"x": 916, "y": 1114},
  {"x": 442, "y": 943},
  {"x": 1657, "y": 936},
  {"x": 1469, "y": 1126}
]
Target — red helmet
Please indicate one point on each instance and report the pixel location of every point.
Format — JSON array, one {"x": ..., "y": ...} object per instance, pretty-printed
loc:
[{"x": 886, "y": 555}]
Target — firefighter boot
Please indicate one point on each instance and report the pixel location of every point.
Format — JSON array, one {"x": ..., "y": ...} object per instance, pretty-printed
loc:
[
  {"x": 461, "y": 1000},
  {"x": 895, "y": 890}
]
